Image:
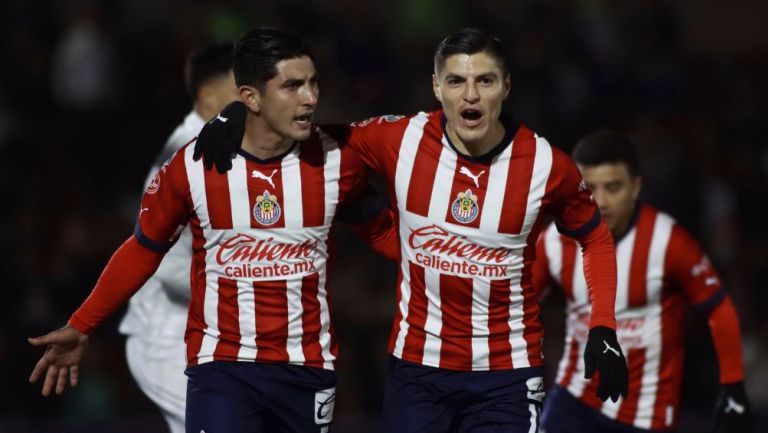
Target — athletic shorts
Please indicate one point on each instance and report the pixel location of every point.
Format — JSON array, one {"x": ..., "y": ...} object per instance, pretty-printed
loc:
[
  {"x": 420, "y": 399},
  {"x": 564, "y": 413},
  {"x": 256, "y": 397}
]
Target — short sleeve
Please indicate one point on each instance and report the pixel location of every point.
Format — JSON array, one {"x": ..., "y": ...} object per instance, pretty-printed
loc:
[
  {"x": 164, "y": 206},
  {"x": 377, "y": 139},
  {"x": 570, "y": 201},
  {"x": 689, "y": 268}
]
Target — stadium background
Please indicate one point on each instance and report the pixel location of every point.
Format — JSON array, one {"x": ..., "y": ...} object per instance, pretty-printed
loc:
[{"x": 89, "y": 91}]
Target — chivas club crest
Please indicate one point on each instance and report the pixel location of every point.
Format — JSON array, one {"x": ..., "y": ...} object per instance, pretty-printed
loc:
[
  {"x": 465, "y": 208},
  {"x": 267, "y": 209}
]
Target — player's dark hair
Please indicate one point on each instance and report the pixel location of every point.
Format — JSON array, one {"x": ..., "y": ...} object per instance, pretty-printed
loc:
[
  {"x": 259, "y": 50},
  {"x": 206, "y": 62},
  {"x": 606, "y": 147},
  {"x": 470, "y": 40}
]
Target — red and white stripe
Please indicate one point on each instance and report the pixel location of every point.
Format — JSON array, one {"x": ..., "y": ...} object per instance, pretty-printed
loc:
[
  {"x": 455, "y": 319},
  {"x": 277, "y": 318},
  {"x": 643, "y": 321}
]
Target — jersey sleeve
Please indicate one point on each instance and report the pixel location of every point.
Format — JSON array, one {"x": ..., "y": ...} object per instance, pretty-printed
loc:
[
  {"x": 691, "y": 271},
  {"x": 164, "y": 206},
  {"x": 377, "y": 139},
  {"x": 542, "y": 281},
  {"x": 570, "y": 202}
]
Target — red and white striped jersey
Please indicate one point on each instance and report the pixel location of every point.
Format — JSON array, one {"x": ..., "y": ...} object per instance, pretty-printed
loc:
[
  {"x": 468, "y": 228},
  {"x": 661, "y": 268},
  {"x": 260, "y": 249}
]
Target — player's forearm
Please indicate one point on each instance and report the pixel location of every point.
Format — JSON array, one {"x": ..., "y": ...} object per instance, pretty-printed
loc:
[
  {"x": 724, "y": 326},
  {"x": 380, "y": 234},
  {"x": 600, "y": 272},
  {"x": 128, "y": 269}
]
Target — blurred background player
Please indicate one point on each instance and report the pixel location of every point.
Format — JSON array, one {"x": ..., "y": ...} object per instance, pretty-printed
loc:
[
  {"x": 157, "y": 315},
  {"x": 471, "y": 189},
  {"x": 260, "y": 343},
  {"x": 661, "y": 268}
]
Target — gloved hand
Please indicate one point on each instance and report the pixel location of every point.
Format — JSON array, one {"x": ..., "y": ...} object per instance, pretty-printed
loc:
[
  {"x": 733, "y": 413},
  {"x": 221, "y": 137},
  {"x": 603, "y": 354}
]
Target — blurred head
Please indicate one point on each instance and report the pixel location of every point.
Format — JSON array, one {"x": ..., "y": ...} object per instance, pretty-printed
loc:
[
  {"x": 471, "y": 82},
  {"x": 209, "y": 79},
  {"x": 608, "y": 163},
  {"x": 276, "y": 78}
]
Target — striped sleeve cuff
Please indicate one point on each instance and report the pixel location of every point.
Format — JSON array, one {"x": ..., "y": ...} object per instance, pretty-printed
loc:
[
  {"x": 584, "y": 229},
  {"x": 146, "y": 242}
]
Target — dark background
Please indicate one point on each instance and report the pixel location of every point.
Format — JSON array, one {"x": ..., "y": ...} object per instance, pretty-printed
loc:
[{"x": 90, "y": 90}]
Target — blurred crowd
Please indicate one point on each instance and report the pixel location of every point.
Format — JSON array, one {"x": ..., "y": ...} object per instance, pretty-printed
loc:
[{"x": 89, "y": 91}]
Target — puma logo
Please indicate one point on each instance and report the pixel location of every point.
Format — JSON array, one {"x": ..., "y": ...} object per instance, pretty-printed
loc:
[
  {"x": 221, "y": 118},
  {"x": 607, "y": 348},
  {"x": 465, "y": 171},
  {"x": 733, "y": 406},
  {"x": 260, "y": 175}
]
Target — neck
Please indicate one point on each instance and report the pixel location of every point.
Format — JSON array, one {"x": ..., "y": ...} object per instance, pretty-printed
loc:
[
  {"x": 478, "y": 147},
  {"x": 262, "y": 141}
]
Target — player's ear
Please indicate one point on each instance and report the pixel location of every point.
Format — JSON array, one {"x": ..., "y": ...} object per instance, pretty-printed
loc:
[
  {"x": 637, "y": 184},
  {"x": 436, "y": 88},
  {"x": 251, "y": 97},
  {"x": 507, "y": 85}
]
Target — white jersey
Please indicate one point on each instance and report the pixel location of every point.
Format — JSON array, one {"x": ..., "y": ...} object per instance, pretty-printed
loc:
[{"x": 160, "y": 307}]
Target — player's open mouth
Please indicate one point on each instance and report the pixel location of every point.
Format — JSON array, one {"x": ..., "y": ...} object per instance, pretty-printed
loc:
[
  {"x": 304, "y": 121},
  {"x": 471, "y": 117}
]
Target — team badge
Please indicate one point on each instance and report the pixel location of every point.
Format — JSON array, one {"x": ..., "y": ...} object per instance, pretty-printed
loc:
[
  {"x": 267, "y": 209},
  {"x": 391, "y": 118},
  {"x": 154, "y": 184},
  {"x": 465, "y": 208}
]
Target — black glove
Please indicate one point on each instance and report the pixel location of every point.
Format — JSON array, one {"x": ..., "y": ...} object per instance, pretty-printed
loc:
[
  {"x": 603, "y": 354},
  {"x": 733, "y": 414},
  {"x": 220, "y": 138}
]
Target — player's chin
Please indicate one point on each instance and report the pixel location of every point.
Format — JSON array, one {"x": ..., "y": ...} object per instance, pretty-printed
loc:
[
  {"x": 300, "y": 134},
  {"x": 471, "y": 135}
]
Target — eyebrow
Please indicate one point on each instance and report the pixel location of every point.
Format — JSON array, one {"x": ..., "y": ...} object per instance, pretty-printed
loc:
[{"x": 291, "y": 81}]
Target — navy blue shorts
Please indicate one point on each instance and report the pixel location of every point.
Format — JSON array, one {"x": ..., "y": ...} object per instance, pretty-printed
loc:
[
  {"x": 420, "y": 399},
  {"x": 254, "y": 397},
  {"x": 564, "y": 413}
]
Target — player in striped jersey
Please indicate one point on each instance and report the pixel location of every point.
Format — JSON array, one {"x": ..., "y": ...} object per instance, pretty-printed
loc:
[
  {"x": 661, "y": 268},
  {"x": 260, "y": 342},
  {"x": 157, "y": 315},
  {"x": 471, "y": 189}
]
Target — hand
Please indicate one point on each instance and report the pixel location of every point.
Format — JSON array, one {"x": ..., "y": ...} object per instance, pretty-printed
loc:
[
  {"x": 733, "y": 413},
  {"x": 61, "y": 358},
  {"x": 603, "y": 354},
  {"x": 221, "y": 137}
]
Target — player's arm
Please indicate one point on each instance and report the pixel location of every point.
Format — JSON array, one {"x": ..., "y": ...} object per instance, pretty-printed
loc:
[
  {"x": 128, "y": 269},
  {"x": 577, "y": 216},
  {"x": 542, "y": 281},
  {"x": 692, "y": 271},
  {"x": 373, "y": 222}
]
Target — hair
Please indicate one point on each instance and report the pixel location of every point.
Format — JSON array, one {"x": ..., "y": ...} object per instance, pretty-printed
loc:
[
  {"x": 470, "y": 41},
  {"x": 606, "y": 147},
  {"x": 206, "y": 62},
  {"x": 259, "y": 50}
]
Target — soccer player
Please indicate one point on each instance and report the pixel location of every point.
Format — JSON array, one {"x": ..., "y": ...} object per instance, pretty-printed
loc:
[
  {"x": 260, "y": 342},
  {"x": 157, "y": 314},
  {"x": 471, "y": 188},
  {"x": 661, "y": 268}
]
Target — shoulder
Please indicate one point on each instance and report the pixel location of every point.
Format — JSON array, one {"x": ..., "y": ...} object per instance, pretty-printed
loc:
[{"x": 395, "y": 122}]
